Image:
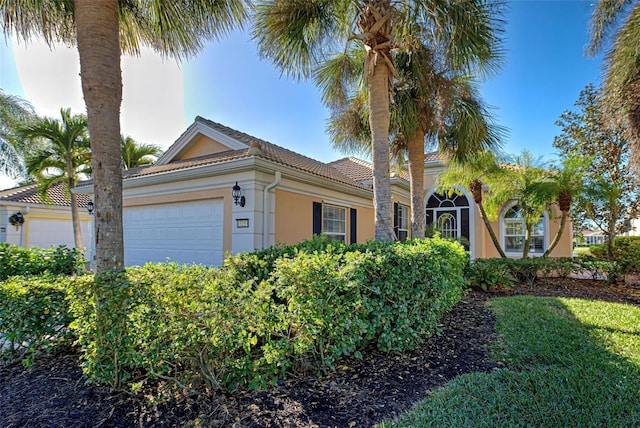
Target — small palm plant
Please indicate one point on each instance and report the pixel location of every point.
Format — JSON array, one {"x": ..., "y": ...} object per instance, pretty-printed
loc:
[{"x": 65, "y": 156}]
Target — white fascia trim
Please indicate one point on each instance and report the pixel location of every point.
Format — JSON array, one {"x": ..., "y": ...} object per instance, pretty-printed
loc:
[
  {"x": 188, "y": 136},
  {"x": 235, "y": 166}
]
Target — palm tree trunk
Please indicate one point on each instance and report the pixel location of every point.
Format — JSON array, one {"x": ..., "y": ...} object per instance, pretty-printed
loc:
[
  {"x": 556, "y": 239},
  {"x": 99, "y": 49},
  {"x": 75, "y": 216},
  {"x": 492, "y": 234},
  {"x": 416, "y": 181},
  {"x": 379, "y": 121},
  {"x": 527, "y": 241}
]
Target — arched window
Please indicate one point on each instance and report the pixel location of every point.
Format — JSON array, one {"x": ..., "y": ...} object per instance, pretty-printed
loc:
[
  {"x": 515, "y": 228},
  {"x": 449, "y": 215}
]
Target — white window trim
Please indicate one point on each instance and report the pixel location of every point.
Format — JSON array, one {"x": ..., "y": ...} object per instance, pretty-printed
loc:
[
  {"x": 472, "y": 216},
  {"x": 503, "y": 243},
  {"x": 406, "y": 218},
  {"x": 344, "y": 209}
]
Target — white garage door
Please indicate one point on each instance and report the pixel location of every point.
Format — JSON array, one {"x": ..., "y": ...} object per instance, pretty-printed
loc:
[
  {"x": 186, "y": 232},
  {"x": 45, "y": 232}
]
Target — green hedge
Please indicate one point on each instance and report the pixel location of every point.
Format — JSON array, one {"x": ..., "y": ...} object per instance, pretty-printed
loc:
[
  {"x": 34, "y": 316},
  {"x": 16, "y": 260},
  {"x": 626, "y": 252},
  {"x": 504, "y": 273},
  {"x": 263, "y": 314}
]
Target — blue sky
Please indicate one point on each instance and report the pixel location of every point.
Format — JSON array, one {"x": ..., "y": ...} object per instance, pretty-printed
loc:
[{"x": 544, "y": 71}]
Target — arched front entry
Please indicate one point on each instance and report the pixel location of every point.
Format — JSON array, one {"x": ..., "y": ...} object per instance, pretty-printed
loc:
[{"x": 451, "y": 216}]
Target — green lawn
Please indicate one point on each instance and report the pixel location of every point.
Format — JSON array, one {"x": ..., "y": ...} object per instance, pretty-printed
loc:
[{"x": 570, "y": 363}]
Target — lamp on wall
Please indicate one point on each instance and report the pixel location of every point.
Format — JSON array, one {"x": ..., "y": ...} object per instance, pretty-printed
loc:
[
  {"x": 238, "y": 197},
  {"x": 90, "y": 207},
  {"x": 17, "y": 219}
]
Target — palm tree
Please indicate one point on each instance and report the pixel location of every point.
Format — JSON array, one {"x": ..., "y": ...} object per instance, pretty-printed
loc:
[
  {"x": 616, "y": 24},
  {"x": 65, "y": 157},
  {"x": 300, "y": 35},
  {"x": 473, "y": 173},
  {"x": 520, "y": 181},
  {"x": 565, "y": 183},
  {"x": 137, "y": 154},
  {"x": 13, "y": 110},
  {"x": 439, "y": 108},
  {"x": 102, "y": 30}
]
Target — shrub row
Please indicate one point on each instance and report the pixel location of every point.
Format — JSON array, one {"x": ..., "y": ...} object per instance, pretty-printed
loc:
[
  {"x": 34, "y": 316},
  {"x": 504, "y": 273},
  {"x": 15, "y": 260},
  {"x": 263, "y": 314},
  {"x": 626, "y": 252}
]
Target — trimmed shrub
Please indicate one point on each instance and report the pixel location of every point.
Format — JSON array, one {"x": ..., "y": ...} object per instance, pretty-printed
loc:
[
  {"x": 15, "y": 260},
  {"x": 263, "y": 314},
  {"x": 34, "y": 317}
]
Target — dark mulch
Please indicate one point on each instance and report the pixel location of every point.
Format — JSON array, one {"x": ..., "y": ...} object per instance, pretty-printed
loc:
[{"x": 358, "y": 393}]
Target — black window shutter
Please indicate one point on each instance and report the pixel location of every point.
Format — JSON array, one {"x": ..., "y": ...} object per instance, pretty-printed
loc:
[
  {"x": 395, "y": 219},
  {"x": 317, "y": 218},
  {"x": 464, "y": 225},
  {"x": 353, "y": 213}
]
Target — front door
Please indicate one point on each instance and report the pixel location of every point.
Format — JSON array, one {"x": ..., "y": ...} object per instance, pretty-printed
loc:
[{"x": 449, "y": 215}]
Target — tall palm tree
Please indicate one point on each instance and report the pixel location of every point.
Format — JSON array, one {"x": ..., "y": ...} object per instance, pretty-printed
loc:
[
  {"x": 473, "y": 173},
  {"x": 102, "y": 30},
  {"x": 299, "y": 35},
  {"x": 137, "y": 154},
  {"x": 615, "y": 25},
  {"x": 65, "y": 157},
  {"x": 432, "y": 105},
  {"x": 13, "y": 110}
]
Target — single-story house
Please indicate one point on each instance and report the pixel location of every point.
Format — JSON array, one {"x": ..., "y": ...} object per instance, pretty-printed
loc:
[
  {"x": 28, "y": 219},
  {"x": 217, "y": 190}
]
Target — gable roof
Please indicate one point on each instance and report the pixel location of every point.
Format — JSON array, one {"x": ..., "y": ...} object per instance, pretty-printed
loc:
[
  {"x": 267, "y": 151},
  {"x": 57, "y": 195}
]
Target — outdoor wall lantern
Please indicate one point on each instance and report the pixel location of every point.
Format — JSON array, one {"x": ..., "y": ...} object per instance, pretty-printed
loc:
[
  {"x": 238, "y": 197},
  {"x": 90, "y": 207},
  {"x": 17, "y": 219}
]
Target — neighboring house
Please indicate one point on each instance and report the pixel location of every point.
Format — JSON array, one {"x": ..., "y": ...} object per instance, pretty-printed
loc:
[
  {"x": 43, "y": 222},
  {"x": 218, "y": 190}
]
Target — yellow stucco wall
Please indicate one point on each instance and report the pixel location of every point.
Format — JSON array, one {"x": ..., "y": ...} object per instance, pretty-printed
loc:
[
  {"x": 294, "y": 218},
  {"x": 202, "y": 146},
  {"x": 193, "y": 196}
]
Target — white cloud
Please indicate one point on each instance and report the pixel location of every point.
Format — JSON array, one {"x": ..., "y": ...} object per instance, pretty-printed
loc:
[{"x": 153, "y": 103}]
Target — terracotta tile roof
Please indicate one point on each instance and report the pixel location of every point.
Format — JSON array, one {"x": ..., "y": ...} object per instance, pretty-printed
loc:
[
  {"x": 432, "y": 157},
  {"x": 360, "y": 170},
  {"x": 269, "y": 151},
  {"x": 355, "y": 168},
  {"x": 30, "y": 194}
]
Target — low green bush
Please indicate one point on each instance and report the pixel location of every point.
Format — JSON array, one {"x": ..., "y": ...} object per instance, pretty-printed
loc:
[
  {"x": 504, "y": 272},
  {"x": 489, "y": 274},
  {"x": 264, "y": 314},
  {"x": 15, "y": 260},
  {"x": 626, "y": 252},
  {"x": 34, "y": 316}
]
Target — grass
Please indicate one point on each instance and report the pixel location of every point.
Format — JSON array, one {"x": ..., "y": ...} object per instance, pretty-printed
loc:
[
  {"x": 582, "y": 251},
  {"x": 570, "y": 363}
]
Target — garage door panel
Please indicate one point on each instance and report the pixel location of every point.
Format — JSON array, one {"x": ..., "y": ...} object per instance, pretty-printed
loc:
[
  {"x": 45, "y": 232},
  {"x": 189, "y": 232}
]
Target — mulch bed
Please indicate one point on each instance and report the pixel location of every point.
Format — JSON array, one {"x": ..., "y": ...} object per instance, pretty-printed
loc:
[{"x": 358, "y": 394}]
